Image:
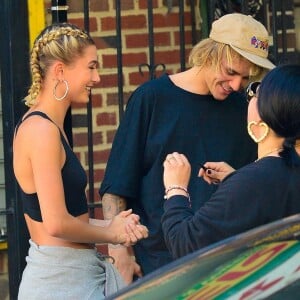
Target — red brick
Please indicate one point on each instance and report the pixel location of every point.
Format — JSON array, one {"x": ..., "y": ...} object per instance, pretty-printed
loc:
[
  {"x": 135, "y": 78},
  {"x": 167, "y": 20},
  {"x": 134, "y": 22},
  {"x": 80, "y": 139},
  {"x": 108, "y": 23},
  {"x": 136, "y": 40},
  {"x": 106, "y": 119},
  {"x": 97, "y": 138},
  {"x": 110, "y": 136},
  {"x": 97, "y": 100},
  {"x": 102, "y": 44},
  {"x": 162, "y": 39},
  {"x": 109, "y": 60},
  {"x": 126, "y": 97},
  {"x": 93, "y": 27},
  {"x": 109, "y": 80},
  {"x": 96, "y": 5},
  {"x": 80, "y": 23},
  {"x": 78, "y": 105},
  {"x": 128, "y": 22},
  {"x": 101, "y": 156},
  {"x": 187, "y": 36},
  {"x": 98, "y": 210},
  {"x": 167, "y": 57},
  {"x": 126, "y": 4},
  {"x": 99, "y": 175},
  {"x": 134, "y": 59},
  {"x": 141, "y": 40},
  {"x": 143, "y": 4},
  {"x": 112, "y": 99},
  {"x": 128, "y": 59}
]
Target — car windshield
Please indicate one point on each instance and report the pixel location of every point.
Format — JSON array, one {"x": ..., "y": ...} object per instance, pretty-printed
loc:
[{"x": 263, "y": 262}]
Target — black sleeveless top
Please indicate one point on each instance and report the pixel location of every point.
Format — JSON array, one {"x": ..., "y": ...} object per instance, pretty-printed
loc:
[{"x": 74, "y": 182}]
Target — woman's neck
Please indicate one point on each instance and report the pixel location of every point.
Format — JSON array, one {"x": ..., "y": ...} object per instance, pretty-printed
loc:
[
  {"x": 270, "y": 147},
  {"x": 56, "y": 110}
]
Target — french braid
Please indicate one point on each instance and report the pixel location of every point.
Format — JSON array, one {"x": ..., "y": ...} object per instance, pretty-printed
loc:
[{"x": 60, "y": 41}]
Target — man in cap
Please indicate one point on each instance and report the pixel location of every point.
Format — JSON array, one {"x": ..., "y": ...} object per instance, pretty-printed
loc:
[{"x": 201, "y": 113}]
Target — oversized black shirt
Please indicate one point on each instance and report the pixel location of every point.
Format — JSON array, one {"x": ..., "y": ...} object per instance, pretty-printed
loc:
[{"x": 161, "y": 118}]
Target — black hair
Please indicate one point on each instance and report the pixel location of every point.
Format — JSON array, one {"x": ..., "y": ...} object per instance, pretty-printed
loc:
[{"x": 279, "y": 107}]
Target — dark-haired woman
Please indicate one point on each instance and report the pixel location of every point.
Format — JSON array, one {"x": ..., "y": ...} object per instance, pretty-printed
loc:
[{"x": 261, "y": 192}]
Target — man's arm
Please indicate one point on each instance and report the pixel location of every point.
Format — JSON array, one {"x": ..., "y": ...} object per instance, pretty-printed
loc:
[
  {"x": 124, "y": 256},
  {"x": 112, "y": 205}
]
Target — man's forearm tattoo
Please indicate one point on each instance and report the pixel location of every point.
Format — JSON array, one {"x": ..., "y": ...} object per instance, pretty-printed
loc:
[{"x": 112, "y": 205}]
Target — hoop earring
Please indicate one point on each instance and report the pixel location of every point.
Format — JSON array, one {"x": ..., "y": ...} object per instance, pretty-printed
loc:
[
  {"x": 66, "y": 92},
  {"x": 261, "y": 124}
]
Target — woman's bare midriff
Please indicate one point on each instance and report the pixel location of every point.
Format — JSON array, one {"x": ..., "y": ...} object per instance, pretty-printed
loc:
[{"x": 39, "y": 235}]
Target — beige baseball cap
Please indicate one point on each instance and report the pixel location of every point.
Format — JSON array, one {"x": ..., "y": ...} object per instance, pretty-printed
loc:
[{"x": 245, "y": 35}]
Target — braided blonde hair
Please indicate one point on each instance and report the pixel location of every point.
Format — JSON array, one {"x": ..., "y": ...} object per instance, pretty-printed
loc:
[
  {"x": 61, "y": 41},
  {"x": 210, "y": 53}
]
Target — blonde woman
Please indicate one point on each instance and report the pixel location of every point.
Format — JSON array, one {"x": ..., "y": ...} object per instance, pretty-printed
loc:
[{"x": 62, "y": 262}]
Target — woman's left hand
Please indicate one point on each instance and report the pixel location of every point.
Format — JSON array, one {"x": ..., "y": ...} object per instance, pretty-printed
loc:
[
  {"x": 128, "y": 228},
  {"x": 177, "y": 170}
]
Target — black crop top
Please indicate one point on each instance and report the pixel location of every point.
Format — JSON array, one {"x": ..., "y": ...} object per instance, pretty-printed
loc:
[{"x": 74, "y": 182}]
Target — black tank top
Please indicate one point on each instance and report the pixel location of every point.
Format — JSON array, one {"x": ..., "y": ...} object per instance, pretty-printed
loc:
[{"x": 74, "y": 182}]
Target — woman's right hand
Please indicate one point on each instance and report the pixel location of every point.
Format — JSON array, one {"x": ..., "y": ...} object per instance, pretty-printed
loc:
[{"x": 215, "y": 172}]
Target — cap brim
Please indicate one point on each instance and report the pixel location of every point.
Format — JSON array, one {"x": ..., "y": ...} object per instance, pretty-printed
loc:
[{"x": 257, "y": 60}]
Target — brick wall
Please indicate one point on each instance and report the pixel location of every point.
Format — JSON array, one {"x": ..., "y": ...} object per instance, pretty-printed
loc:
[{"x": 102, "y": 22}]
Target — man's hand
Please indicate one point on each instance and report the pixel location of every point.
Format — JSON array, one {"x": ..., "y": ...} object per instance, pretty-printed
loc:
[
  {"x": 125, "y": 262},
  {"x": 124, "y": 256}
]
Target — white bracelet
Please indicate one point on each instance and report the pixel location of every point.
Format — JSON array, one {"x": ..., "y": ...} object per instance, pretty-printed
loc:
[{"x": 178, "y": 187}]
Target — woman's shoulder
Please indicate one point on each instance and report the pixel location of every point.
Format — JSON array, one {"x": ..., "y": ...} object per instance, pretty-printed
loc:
[
  {"x": 267, "y": 170},
  {"x": 37, "y": 123},
  {"x": 35, "y": 129}
]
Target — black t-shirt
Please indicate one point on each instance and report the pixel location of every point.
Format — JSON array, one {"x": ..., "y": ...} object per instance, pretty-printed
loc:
[{"x": 161, "y": 118}]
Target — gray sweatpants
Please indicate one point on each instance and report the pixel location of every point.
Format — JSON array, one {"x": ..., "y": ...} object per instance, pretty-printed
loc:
[{"x": 67, "y": 273}]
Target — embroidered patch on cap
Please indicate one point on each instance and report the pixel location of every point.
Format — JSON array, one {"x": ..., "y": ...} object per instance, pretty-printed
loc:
[{"x": 257, "y": 43}]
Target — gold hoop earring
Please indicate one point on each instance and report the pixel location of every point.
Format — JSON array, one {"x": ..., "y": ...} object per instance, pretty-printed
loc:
[
  {"x": 261, "y": 124},
  {"x": 66, "y": 92}
]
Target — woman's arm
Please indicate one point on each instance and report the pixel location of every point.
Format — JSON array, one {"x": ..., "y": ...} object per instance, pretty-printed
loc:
[
  {"x": 186, "y": 231},
  {"x": 47, "y": 159}
]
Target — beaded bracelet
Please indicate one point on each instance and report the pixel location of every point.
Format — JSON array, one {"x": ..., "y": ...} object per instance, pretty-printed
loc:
[{"x": 178, "y": 187}]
